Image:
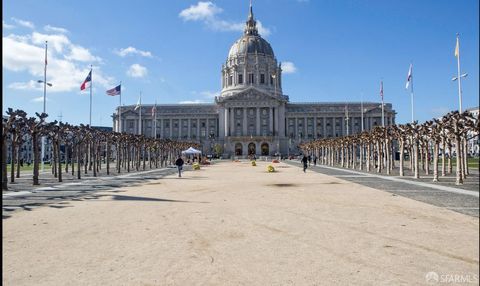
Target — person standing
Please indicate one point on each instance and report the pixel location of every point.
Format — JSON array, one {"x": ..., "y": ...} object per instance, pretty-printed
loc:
[
  {"x": 314, "y": 160},
  {"x": 179, "y": 164},
  {"x": 305, "y": 163}
]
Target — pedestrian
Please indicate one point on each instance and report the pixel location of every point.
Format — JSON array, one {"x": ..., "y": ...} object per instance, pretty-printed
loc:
[
  {"x": 309, "y": 160},
  {"x": 314, "y": 160},
  {"x": 305, "y": 162},
  {"x": 179, "y": 164}
]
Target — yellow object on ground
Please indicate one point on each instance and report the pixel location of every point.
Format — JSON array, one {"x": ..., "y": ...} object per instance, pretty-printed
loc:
[
  {"x": 270, "y": 169},
  {"x": 254, "y": 163},
  {"x": 196, "y": 166}
]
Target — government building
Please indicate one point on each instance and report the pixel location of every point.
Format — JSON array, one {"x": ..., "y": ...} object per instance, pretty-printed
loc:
[{"x": 251, "y": 115}]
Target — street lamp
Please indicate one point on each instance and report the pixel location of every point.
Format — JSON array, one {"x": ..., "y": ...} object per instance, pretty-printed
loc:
[
  {"x": 44, "y": 111},
  {"x": 463, "y": 75}
]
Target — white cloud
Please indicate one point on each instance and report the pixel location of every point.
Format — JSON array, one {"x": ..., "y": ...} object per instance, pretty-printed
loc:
[
  {"x": 29, "y": 85},
  {"x": 39, "y": 99},
  {"x": 66, "y": 68},
  {"x": 132, "y": 50},
  {"x": 7, "y": 26},
  {"x": 137, "y": 70},
  {"x": 288, "y": 67},
  {"x": 81, "y": 54},
  {"x": 201, "y": 11},
  {"x": 53, "y": 29},
  {"x": 210, "y": 94},
  {"x": 207, "y": 12},
  {"x": 23, "y": 23}
]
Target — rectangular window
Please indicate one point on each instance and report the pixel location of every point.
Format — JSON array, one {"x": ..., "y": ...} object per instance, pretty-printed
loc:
[
  {"x": 262, "y": 78},
  {"x": 251, "y": 79},
  {"x": 271, "y": 80},
  {"x": 240, "y": 79},
  {"x": 230, "y": 79}
]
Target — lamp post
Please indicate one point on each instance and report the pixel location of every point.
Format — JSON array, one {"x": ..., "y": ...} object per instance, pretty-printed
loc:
[
  {"x": 459, "y": 89},
  {"x": 45, "y": 83}
]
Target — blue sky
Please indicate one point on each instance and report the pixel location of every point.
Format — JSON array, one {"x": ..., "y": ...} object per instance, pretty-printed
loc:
[{"x": 172, "y": 51}]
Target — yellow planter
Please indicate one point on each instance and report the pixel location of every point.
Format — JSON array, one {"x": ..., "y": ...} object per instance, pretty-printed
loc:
[
  {"x": 196, "y": 166},
  {"x": 270, "y": 169},
  {"x": 254, "y": 163}
]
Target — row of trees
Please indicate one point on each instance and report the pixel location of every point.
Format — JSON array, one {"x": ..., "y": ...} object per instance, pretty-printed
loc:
[
  {"x": 85, "y": 148},
  {"x": 421, "y": 143}
]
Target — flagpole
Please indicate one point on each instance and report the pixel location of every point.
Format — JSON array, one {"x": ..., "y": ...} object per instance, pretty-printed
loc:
[
  {"x": 140, "y": 122},
  {"x": 120, "y": 111},
  {"x": 91, "y": 83},
  {"x": 411, "y": 93},
  {"x": 459, "y": 78},
  {"x": 383, "y": 114},
  {"x": 44, "y": 101},
  {"x": 155, "y": 122},
  {"x": 361, "y": 106}
]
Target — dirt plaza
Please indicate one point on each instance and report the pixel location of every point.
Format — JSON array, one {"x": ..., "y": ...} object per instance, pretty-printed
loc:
[{"x": 235, "y": 224}]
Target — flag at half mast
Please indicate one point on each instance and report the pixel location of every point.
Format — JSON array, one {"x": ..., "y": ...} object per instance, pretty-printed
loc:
[{"x": 115, "y": 91}]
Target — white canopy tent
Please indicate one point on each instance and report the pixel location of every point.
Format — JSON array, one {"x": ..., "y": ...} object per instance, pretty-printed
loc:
[{"x": 191, "y": 151}]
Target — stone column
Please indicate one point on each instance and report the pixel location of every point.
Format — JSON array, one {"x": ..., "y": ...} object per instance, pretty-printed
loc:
[
  {"x": 324, "y": 126},
  {"x": 295, "y": 129},
  {"x": 189, "y": 128},
  {"x": 245, "y": 126},
  {"x": 281, "y": 121},
  {"x": 270, "y": 118},
  {"x": 276, "y": 122},
  {"x": 225, "y": 122},
  {"x": 305, "y": 131},
  {"x": 315, "y": 127},
  {"x": 161, "y": 128},
  {"x": 232, "y": 122},
  {"x": 258, "y": 121},
  {"x": 198, "y": 129},
  {"x": 207, "y": 128},
  {"x": 171, "y": 129},
  {"x": 180, "y": 127}
]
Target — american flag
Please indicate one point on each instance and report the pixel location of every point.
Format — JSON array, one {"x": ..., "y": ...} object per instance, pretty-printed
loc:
[{"x": 115, "y": 91}]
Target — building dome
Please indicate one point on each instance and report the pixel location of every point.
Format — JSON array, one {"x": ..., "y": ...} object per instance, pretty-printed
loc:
[
  {"x": 251, "y": 45},
  {"x": 251, "y": 63}
]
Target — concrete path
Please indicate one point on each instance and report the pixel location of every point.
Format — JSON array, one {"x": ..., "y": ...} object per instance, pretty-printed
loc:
[
  {"x": 235, "y": 224},
  {"x": 462, "y": 200}
]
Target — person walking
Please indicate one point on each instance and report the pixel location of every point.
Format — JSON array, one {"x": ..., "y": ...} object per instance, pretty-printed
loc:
[
  {"x": 179, "y": 164},
  {"x": 305, "y": 163},
  {"x": 309, "y": 160},
  {"x": 314, "y": 160}
]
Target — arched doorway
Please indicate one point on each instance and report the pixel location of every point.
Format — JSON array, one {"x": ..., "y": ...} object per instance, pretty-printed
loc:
[
  {"x": 252, "y": 149},
  {"x": 265, "y": 149},
  {"x": 238, "y": 149}
]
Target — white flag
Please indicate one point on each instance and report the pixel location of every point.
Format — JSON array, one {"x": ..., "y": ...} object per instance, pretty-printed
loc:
[
  {"x": 409, "y": 77},
  {"x": 139, "y": 103}
]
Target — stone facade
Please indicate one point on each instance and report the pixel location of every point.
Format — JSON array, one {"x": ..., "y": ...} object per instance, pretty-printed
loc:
[{"x": 252, "y": 115}]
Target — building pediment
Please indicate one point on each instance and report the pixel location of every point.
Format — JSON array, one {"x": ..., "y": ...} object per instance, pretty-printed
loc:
[{"x": 250, "y": 96}]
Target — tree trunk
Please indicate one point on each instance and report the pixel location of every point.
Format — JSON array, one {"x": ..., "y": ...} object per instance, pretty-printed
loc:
[
  {"x": 435, "y": 161},
  {"x": 19, "y": 159},
  {"x": 59, "y": 162},
  {"x": 94, "y": 158},
  {"x": 36, "y": 158},
  {"x": 12, "y": 159},
  {"x": 415, "y": 160},
  {"x": 402, "y": 148},
  {"x": 79, "y": 167},
  {"x": 443, "y": 156},
  {"x": 450, "y": 167},
  {"x": 4, "y": 163}
]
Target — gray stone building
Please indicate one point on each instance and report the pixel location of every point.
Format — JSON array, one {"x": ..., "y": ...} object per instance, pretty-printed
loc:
[{"x": 252, "y": 115}]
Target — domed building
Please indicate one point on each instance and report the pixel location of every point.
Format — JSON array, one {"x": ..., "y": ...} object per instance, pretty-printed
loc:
[{"x": 252, "y": 115}]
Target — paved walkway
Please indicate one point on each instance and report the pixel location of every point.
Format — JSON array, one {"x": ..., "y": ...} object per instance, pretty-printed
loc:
[
  {"x": 464, "y": 200},
  {"x": 235, "y": 224}
]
